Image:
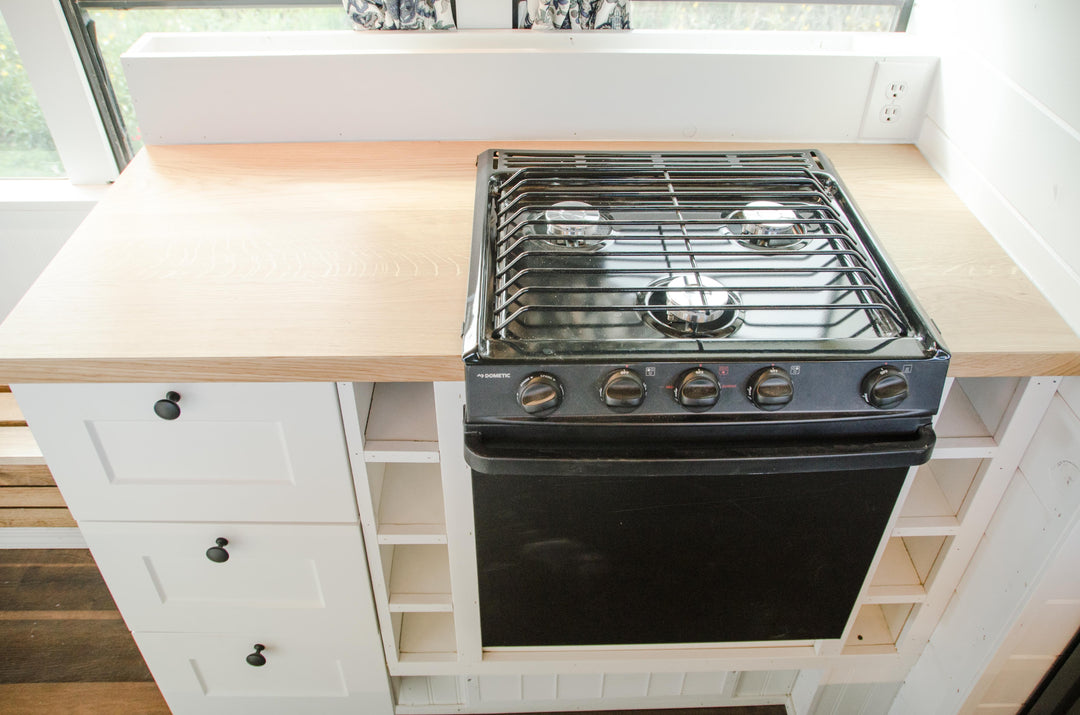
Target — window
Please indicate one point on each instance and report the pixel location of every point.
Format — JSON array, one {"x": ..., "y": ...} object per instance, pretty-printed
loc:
[
  {"x": 831, "y": 15},
  {"x": 26, "y": 146},
  {"x": 114, "y": 25}
]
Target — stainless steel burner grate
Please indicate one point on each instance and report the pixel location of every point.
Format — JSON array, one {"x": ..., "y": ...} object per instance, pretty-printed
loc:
[{"x": 766, "y": 227}]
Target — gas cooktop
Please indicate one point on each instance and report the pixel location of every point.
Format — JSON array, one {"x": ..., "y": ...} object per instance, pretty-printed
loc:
[
  {"x": 595, "y": 254},
  {"x": 695, "y": 274}
]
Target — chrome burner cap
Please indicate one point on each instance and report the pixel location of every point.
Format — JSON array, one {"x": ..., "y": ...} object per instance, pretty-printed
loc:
[
  {"x": 575, "y": 225},
  {"x": 692, "y": 306},
  {"x": 771, "y": 225}
]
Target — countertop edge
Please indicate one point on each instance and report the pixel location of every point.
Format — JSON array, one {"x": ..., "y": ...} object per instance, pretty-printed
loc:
[{"x": 442, "y": 368}]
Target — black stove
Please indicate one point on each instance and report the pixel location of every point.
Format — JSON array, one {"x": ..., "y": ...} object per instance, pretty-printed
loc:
[
  {"x": 695, "y": 389},
  {"x": 645, "y": 285}
]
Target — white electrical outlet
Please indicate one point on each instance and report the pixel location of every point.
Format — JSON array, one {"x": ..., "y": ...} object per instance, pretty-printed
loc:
[
  {"x": 896, "y": 100},
  {"x": 890, "y": 113}
]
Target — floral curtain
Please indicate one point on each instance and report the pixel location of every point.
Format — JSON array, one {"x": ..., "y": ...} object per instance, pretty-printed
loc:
[
  {"x": 400, "y": 14},
  {"x": 576, "y": 14}
]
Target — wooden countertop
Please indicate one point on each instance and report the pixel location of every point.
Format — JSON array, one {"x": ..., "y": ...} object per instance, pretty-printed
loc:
[{"x": 350, "y": 262}]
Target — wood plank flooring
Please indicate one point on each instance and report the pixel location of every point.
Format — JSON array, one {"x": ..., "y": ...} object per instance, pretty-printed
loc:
[
  {"x": 63, "y": 645},
  {"x": 28, "y": 495}
]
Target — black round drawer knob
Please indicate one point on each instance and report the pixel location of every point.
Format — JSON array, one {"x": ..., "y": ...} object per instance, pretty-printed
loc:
[
  {"x": 257, "y": 658},
  {"x": 770, "y": 388},
  {"x": 623, "y": 389},
  {"x": 697, "y": 389},
  {"x": 167, "y": 409},
  {"x": 218, "y": 554},
  {"x": 884, "y": 387},
  {"x": 539, "y": 394}
]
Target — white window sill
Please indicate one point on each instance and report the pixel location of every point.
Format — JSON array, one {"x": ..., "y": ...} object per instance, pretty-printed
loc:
[{"x": 47, "y": 194}]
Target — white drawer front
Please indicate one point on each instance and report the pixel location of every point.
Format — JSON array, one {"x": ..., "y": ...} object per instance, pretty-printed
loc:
[
  {"x": 303, "y": 576},
  {"x": 237, "y": 452},
  {"x": 208, "y": 674}
]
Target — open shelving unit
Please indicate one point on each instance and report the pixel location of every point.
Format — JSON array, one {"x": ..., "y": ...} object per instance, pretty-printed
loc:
[
  {"x": 403, "y": 514},
  {"x": 945, "y": 511}
]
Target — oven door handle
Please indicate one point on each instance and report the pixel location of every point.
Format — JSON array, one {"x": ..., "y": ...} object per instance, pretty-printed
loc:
[{"x": 780, "y": 457}]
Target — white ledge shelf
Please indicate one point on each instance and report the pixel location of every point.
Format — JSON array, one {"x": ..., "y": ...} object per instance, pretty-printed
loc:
[
  {"x": 425, "y": 637},
  {"x": 401, "y": 423},
  {"x": 939, "y": 497},
  {"x": 877, "y": 628},
  {"x": 419, "y": 578},
  {"x": 408, "y": 502}
]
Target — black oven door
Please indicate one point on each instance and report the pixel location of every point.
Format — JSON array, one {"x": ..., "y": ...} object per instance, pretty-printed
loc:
[{"x": 592, "y": 549}]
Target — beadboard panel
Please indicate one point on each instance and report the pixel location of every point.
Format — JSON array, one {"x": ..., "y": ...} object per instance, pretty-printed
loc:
[{"x": 854, "y": 699}]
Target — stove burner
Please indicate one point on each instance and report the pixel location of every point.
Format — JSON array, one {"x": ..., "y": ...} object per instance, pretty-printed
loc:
[
  {"x": 676, "y": 294},
  {"x": 772, "y": 226},
  {"x": 576, "y": 225}
]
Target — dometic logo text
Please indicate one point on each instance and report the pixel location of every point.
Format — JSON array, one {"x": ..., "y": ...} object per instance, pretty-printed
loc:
[{"x": 493, "y": 374}]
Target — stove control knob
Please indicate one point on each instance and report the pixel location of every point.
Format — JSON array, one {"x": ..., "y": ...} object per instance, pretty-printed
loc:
[
  {"x": 697, "y": 389},
  {"x": 539, "y": 394},
  {"x": 623, "y": 388},
  {"x": 884, "y": 387},
  {"x": 770, "y": 388}
]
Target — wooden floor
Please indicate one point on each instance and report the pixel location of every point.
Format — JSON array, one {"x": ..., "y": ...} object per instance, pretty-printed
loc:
[
  {"x": 28, "y": 495},
  {"x": 65, "y": 649},
  {"x": 63, "y": 646}
]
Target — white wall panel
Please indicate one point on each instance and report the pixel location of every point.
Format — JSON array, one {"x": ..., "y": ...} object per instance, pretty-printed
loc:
[
  {"x": 498, "y": 85},
  {"x": 1027, "y": 154},
  {"x": 1003, "y": 128},
  {"x": 1033, "y": 44}
]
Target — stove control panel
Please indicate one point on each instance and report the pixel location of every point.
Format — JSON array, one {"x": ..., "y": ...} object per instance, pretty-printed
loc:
[{"x": 696, "y": 391}]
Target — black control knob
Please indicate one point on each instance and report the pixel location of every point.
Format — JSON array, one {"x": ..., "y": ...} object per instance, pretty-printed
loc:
[
  {"x": 623, "y": 388},
  {"x": 218, "y": 554},
  {"x": 167, "y": 409},
  {"x": 885, "y": 387},
  {"x": 770, "y": 388},
  {"x": 257, "y": 658},
  {"x": 539, "y": 394},
  {"x": 697, "y": 389}
]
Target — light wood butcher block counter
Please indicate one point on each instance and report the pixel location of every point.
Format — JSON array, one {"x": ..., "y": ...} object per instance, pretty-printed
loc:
[{"x": 350, "y": 261}]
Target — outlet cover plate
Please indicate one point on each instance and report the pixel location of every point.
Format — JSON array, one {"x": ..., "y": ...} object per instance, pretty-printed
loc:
[{"x": 916, "y": 77}]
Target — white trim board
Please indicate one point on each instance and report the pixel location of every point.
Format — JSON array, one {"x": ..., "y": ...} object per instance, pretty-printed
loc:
[
  {"x": 19, "y": 537},
  {"x": 501, "y": 85}
]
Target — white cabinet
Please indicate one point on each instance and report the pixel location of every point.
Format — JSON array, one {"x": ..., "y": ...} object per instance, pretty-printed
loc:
[
  {"x": 305, "y": 576},
  {"x": 237, "y": 452},
  {"x": 259, "y": 472},
  {"x": 209, "y": 673}
]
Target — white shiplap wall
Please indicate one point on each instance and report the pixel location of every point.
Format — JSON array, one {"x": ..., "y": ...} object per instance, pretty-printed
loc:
[{"x": 1003, "y": 128}]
